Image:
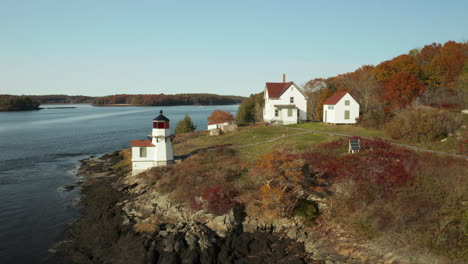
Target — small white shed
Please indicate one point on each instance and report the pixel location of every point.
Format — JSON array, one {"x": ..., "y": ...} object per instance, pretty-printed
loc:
[
  {"x": 340, "y": 108},
  {"x": 215, "y": 125}
]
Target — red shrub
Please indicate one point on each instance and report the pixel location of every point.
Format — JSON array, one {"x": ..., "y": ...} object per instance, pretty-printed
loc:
[{"x": 219, "y": 199}]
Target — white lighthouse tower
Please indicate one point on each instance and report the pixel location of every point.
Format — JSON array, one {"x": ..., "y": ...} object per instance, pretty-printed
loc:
[
  {"x": 161, "y": 138},
  {"x": 154, "y": 152}
]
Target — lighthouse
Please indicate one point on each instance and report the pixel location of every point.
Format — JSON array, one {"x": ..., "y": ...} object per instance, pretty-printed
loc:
[{"x": 155, "y": 152}]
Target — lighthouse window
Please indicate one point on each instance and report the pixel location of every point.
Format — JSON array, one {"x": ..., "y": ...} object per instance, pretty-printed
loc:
[{"x": 143, "y": 152}]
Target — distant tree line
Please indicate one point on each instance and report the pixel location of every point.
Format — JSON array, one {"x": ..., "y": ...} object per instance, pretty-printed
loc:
[
  {"x": 17, "y": 103},
  {"x": 63, "y": 99},
  {"x": 168, "y": 100}
]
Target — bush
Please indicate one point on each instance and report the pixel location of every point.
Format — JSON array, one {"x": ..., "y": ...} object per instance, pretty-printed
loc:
[
  {"x": 374, "y": 118},
  {"x": 422, "y": 124},
  {"x": 307, "y": 209},
  {"x": 185, "y": 125},
  {"x": 219, "y": 199}
]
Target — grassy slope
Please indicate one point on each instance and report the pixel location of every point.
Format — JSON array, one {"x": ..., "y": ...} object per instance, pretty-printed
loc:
[
  {"x": 184, "y": 144},
  {"x": 451, "y": 145}
]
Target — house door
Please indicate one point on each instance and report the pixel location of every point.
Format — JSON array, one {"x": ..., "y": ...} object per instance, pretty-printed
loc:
[{"x": 325, "y": 119}]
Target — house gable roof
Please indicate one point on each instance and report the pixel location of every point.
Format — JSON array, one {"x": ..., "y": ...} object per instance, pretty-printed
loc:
[
  {"x": 335, "y": 98},
  {"x": 275, "y": 90}
]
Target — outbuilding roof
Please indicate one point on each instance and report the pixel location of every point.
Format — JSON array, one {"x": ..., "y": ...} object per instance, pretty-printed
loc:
[
  {"x": 276, "y": 89},
  {"x": 161, "y": 117},
  {"x": 335, "y": 98},
  {"x": 142, "y": 143}
]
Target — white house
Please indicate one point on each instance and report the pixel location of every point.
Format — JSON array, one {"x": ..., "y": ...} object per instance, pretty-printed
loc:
[
  {"x": 285, "y": 103},
  {"x": 155, "y": 152},
  {"x": 340, "y": 108}
]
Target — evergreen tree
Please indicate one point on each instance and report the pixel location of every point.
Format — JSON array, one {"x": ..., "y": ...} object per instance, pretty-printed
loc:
[
  {"x": 251, "y": 110},
  {"x": 185, "y": 125}
]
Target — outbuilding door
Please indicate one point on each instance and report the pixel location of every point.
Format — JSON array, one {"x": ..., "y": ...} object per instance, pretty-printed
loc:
[{"x": 325, "y": 120}]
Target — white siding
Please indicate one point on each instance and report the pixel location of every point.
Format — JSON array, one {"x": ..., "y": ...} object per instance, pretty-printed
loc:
[
  {"x": 337, "y": 115},
  {"x": 285, "y": 119},
  {"x": 215, "y": 126},
  {"x": 299, "y": 101}
]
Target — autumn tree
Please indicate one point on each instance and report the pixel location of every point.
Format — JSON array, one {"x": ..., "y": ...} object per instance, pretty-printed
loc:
[
  {"x": 281, "y": 175},
  {"x": 401, "y": 90},
  {"x": 185, "y": 125},
  {"x": 364, "y": 84},
  {"x": 324, "y": 94},
  {"x": 444, "y": 68},
  {"x": 312, "y": 90},
  {"x": 403, "y": 63},
  {"x": 220, "y": 116}
]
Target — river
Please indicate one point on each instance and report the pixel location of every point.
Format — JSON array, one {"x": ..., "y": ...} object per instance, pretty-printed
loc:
[{"x": 40, "y": 153}]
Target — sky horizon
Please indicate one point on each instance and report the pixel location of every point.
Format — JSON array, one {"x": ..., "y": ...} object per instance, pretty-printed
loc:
[{"x": 98, "y": 48}]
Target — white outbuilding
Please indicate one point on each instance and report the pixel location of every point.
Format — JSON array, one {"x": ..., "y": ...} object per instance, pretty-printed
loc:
[
  {"x": 285, "y": 103},
  {"x": 216, "y": 125},
  {"x": 340, "y": 108},
  {"x": 155, "y": 152}
]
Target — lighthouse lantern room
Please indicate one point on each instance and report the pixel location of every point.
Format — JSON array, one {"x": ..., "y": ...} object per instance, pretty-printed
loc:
[{"x": 155, "y": 152}]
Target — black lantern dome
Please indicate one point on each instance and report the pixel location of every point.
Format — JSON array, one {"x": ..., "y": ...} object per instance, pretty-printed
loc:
[{"x": 161, "y": 121}]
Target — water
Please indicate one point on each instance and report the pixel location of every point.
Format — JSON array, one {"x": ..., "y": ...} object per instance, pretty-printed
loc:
[{"x": 40, "y": 153}]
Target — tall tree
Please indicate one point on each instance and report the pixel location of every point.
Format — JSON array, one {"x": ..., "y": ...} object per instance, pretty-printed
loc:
[
  {"x": 324, "y": 94},
  {"x": 401, "y": 90},
  {"x": 185, "y": 125}
]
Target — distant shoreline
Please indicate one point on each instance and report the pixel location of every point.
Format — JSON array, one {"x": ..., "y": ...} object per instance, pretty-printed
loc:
[{"x": 125, "y": 105}]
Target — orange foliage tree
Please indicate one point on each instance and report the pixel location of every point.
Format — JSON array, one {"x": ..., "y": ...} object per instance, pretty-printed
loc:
[
  {"x": 401, "y": 90},
  {"x": 325, "y": 93},
  {"x": 403, "y": 63},
  {"x": 281, "y": 175},
  {"x": 445, "y": 68},
  {"x": 220, "y": 116}
]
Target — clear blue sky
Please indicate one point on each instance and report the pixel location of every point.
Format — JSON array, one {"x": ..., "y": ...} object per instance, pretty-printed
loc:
[{"x": 102, "y": 47}]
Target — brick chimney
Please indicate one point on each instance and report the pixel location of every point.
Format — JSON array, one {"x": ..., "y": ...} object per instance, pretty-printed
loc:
[{"x": 284, "y": 77}]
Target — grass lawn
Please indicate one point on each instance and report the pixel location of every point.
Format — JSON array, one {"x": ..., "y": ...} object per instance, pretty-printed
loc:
[
  {"x": 342, "y": 129},
  {"x": 451, "y": 145},
  {"x": 186, "y": 143}
]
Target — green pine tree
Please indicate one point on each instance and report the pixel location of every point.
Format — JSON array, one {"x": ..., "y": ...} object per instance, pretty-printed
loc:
[{"x": 185, "y": 125}]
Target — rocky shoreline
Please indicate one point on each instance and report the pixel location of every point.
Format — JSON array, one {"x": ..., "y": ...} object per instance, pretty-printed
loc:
[
  {"x": 105, "y": 233},
  {"x": 125, "y": 222}
]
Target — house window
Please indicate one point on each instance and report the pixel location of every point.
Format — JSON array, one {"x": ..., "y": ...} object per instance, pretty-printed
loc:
[
  {"x": 346, "y": 102},
  {"x": 346, "y": 114},
  {"x": 290, "y": 112},
  {"x": 276, "y": 112},
  {"x": 330, "y": 107},
  {"x": 143, "y": 152},
  {"x": 291, "y": 100}
]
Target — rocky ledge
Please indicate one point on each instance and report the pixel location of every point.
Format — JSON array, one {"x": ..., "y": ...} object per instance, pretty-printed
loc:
[{"x": 126, "y": 222}]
